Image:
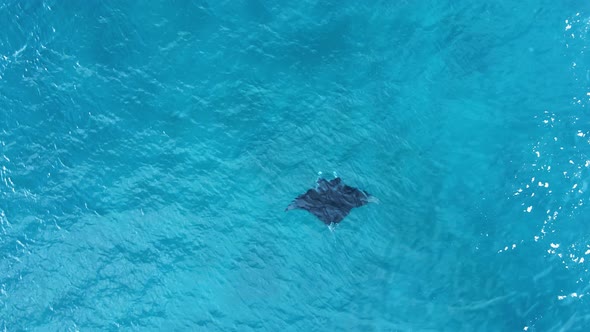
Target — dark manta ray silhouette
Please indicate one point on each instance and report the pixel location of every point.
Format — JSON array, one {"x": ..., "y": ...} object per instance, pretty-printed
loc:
[{"x": 331, "y": 201}]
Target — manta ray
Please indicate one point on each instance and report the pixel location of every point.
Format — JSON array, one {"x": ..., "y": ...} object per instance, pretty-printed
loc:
[{"x": 331, "y": 201}]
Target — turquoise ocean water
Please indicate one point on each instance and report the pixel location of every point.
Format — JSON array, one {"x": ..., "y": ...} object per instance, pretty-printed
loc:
[{"x": 148, "y": 150}]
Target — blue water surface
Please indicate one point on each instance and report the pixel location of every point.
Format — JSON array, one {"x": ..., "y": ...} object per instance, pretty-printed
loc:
[{"x": 148, "y": 150}]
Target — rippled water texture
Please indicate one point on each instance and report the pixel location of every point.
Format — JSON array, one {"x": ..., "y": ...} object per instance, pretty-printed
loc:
[{"x": 148, "y": 150}]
